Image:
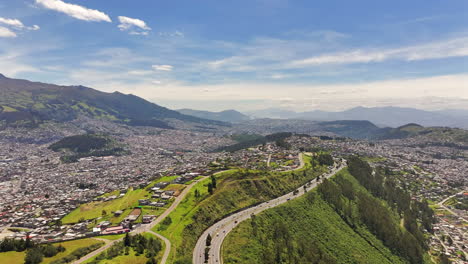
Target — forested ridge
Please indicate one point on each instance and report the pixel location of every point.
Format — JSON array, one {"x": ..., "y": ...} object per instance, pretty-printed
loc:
[
  {"x": 356, "y": 217},
  {"x": 87, "y": 145},
  {"x": 379, "y": 217}
]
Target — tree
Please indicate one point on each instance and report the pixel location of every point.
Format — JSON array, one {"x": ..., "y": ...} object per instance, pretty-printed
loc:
[
  {"x": 103, "y": 213},
  {"x": 213, "y": 181},
  {"x": 167, "y": 221},
  {"x": 28, "y": 243},
  {"x": 210, "y": 188},
  {"x": 127, "y": 240},
  {"x": 33, "y": 256},
  {"x": 208, "y": 240},
  {"x": 49, "y": 250},
  {"x": 207, "y": 254},
  {"x": 197, "y": 193},
  {"x": 325, "y": 159}
]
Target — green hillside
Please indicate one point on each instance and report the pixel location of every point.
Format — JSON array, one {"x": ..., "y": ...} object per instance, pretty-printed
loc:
[
  {"x": 80, "y": 146},
  {"x": 340, "y": 222},
  {"x": 235, "y": 189},
  {"x": 28, "y": 103}
]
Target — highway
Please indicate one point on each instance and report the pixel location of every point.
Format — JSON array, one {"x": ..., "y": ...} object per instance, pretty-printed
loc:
[
  {"x": 147, "y": 228},
  {"x": 221, "y": 229}
]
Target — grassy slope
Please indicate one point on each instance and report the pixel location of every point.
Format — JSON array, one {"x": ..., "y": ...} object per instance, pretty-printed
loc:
[
  {"x": 94, "y": 209},
  {"x": 234, "y": 192},
  {"x": 14, "y": 257},
  {"x": 305, "y": 220}
]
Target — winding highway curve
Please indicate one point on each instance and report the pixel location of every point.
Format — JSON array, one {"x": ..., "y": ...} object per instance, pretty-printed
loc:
[{"x": 221, "y": 229}]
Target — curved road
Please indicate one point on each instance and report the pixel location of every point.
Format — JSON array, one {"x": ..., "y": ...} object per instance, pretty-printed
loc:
[
  {"x": 219, "y": 230},
  {"x": 147, "y": 228}
]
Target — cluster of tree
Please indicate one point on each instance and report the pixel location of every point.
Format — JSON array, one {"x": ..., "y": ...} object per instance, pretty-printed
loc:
[
  {"x": 87, "y": 145},
  {"x": 77, "y": 254},
  {"x": 165, "y": 223},
  {"x": 141, "y": 245},
  {"x": 325, "y": 159},
  {"x": 286, "y": 248},
  {"x": 282, "y": 143},
  {"x": 16, "y": 245},
  {"x": 383, "y": 185},
  {"x": 36, "y": 254},
  {"x": 277, "y": 137},
  {"x": 148, "y": 122},
  {"x": 410, "y": 242},
  {"x": 117, "y": 151},
  {"x": 81, "y": 143}
]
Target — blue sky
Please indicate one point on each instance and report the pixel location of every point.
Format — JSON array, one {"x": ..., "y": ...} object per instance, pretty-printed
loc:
[{"x": 252, "y": 54}]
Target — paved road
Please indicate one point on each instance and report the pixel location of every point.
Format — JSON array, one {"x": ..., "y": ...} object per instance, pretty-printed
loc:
[
  {"x": 219, "y": 230},
  {"x": 147, "y": 228},
  {"x": 441, "y": 204}
]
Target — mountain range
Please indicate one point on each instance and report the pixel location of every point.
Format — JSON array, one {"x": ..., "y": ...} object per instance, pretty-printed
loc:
[
  {"x": 26, "y": 103},
  {"x": 231, "y": 116},
  {"x": 381, "y": 116}
]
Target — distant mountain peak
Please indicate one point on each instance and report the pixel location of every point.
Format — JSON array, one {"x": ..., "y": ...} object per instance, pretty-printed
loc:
[
  {"x": 410, "y": 125},
  {"x": 230, "y": 115}
]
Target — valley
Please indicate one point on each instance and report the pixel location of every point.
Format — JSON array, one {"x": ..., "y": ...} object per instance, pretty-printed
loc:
[{"x": 93, "y": 177}]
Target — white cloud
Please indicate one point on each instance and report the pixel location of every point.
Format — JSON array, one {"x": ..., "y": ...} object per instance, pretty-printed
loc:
[
  {"x": 457, "y": 47},
  {"x": 11, "y": 22},
  {"x": 133, "y": 25},
  {"x": 11, "y": 63},
  {"x": 139, "y": 72},
  {"x": 162, "y": 67},
  {"x": 172, "y": 34},
  {"x": 76, "y": 11},
  {"x": 441, "y": 91},
  {"x": 15, "y": 24},
  {"x": 34, "y": 27},
  {"x": 6, "y": 33}
]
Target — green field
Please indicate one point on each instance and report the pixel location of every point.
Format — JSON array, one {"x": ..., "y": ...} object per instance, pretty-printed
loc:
[
  {"x": 236, "y": 189},
  {"x": 18, "y": 257},
  {"x": 111, "y": 237},
  {"x": 12, "y": 257},
  {"x": 94, "y": 210}
]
